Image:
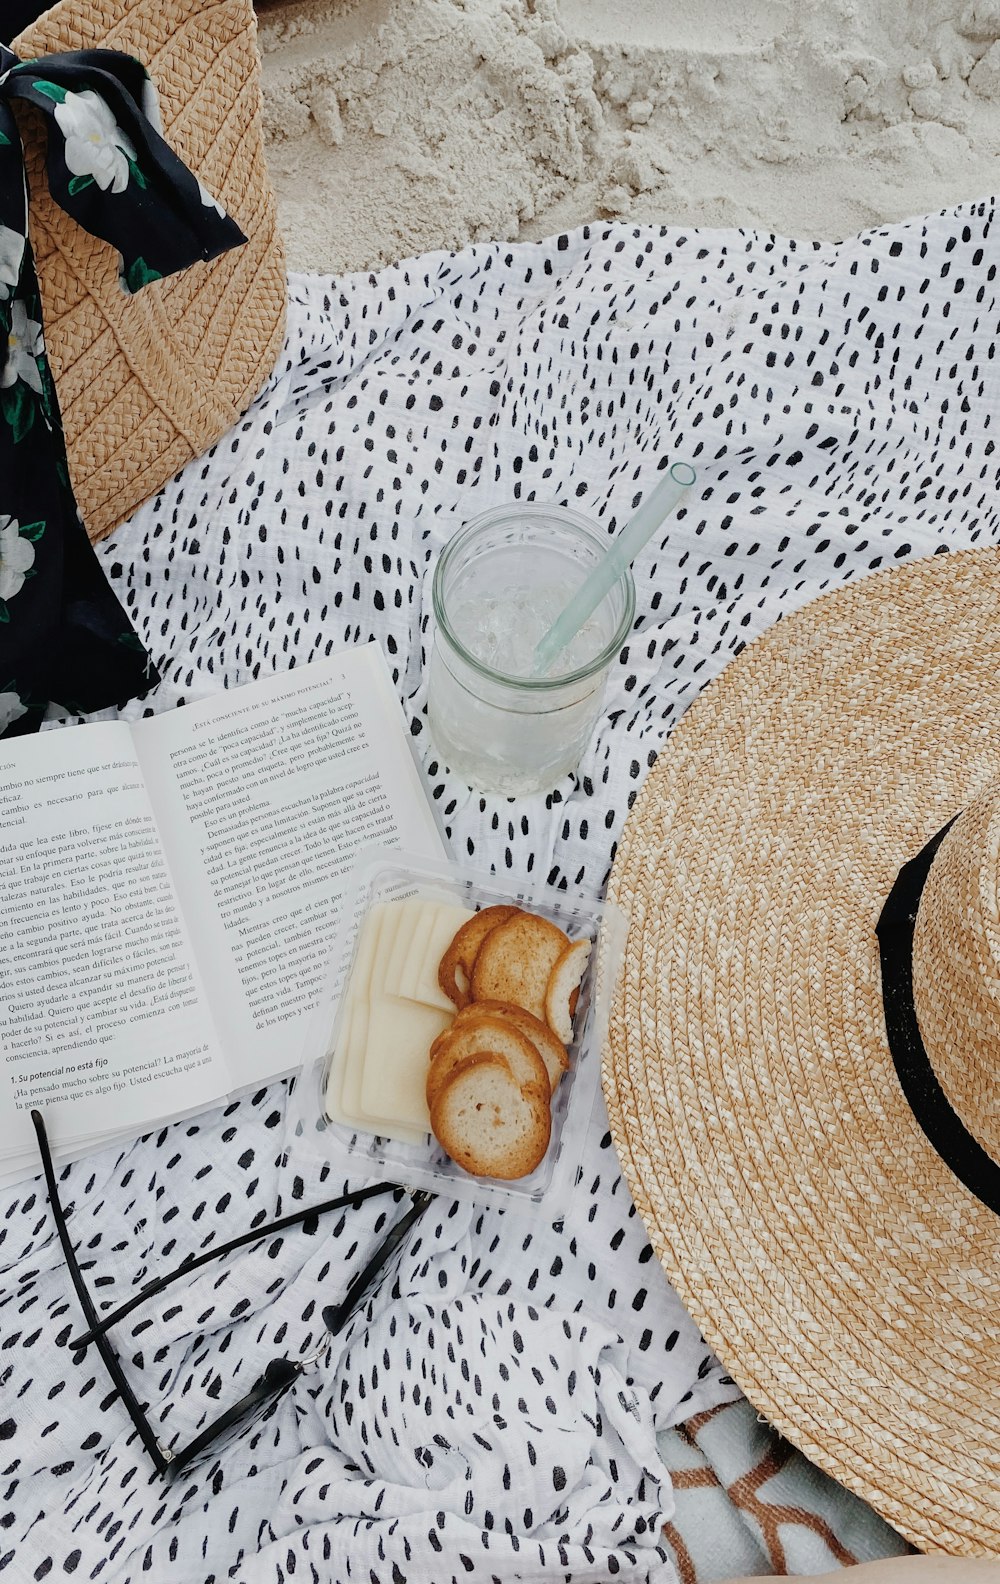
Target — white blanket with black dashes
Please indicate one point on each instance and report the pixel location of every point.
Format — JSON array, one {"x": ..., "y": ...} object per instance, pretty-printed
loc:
[{"x": 493, "y": 1412}]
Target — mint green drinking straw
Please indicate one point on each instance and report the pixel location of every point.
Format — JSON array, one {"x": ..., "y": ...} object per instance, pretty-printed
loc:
[{"x": 658, "y": 505}]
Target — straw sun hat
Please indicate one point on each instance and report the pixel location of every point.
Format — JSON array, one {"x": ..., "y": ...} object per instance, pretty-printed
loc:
[{"x": 825, "y": 1198}]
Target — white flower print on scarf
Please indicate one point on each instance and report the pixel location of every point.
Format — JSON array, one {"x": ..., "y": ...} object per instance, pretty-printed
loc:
[
  {"x": 17, "y": 556},
  {"x": 207, "y": 199},
  {"x": 11, "y": 254},
  {"x": 24, "y": 348},
  {"x": 95, "y": 144},
  {"x": 11, "y": 709},
  {"x": 151, "y": 106}
]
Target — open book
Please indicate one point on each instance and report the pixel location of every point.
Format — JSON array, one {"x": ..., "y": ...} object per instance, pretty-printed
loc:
[{"x": 172, "y": 889}]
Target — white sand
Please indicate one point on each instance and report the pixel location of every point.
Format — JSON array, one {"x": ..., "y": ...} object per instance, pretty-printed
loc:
[{"x": 396, "y": 126}]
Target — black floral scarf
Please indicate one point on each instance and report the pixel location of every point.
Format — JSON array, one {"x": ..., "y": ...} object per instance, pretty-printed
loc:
[{"x": 64, "y": 638}]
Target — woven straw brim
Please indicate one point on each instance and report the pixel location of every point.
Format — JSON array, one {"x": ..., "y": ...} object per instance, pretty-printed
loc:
[
  {"x": 841, "y": 1272},
  {"x": 147, "y": 383}
]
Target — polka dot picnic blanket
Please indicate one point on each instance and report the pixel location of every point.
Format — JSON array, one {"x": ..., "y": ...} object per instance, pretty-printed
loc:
[{"x": 497, "y": 1409}]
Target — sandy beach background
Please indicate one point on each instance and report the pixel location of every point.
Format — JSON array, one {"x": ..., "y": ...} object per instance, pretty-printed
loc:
[{"x": 397, "y": 126}]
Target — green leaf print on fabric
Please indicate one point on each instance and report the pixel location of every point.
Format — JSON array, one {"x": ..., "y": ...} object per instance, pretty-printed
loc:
[
  {"x": 50, "y": 90},
  {"x": 49, "y": 406},
  {"x": 139, "y": 274},
  {"x": 80, "y": 183},
  {"x": 32, "y": 531},
  {"x": 18, "y": 411}
]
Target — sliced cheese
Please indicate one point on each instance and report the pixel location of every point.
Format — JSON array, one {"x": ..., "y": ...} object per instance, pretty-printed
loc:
[
  {"x": 400, "y": 1035},
  {"x": 409, "y": 914},
  {"x": 372, "y": 985},
  {"x": 394, "y": 1009},
  {"x": 439, "y": 929},
  {"x": 351, "y": 1114},
  {"x": 335, "y": 1071},
  {"x": 343, "y": 1085},
  {"x": 410, "y": 967},
  {"x": 353, "y": 996}
]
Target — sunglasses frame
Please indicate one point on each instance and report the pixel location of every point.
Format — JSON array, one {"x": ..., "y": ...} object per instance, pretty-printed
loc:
[{"x": 280, "y": 1373}]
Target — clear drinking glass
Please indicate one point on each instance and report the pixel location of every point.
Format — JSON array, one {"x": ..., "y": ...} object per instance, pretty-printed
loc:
[{"x": 498, "y": 586}]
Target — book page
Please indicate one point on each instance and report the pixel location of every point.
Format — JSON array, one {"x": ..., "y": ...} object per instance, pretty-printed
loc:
[
  {"x": 103, "y": 1021},
  {"x": 264, "y": 797}
]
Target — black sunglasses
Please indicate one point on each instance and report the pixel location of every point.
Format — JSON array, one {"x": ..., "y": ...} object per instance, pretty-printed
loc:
[{"x": 280, "y": 1373}]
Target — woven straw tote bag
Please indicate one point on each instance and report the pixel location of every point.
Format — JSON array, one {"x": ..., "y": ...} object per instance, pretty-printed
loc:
[{"x": 147, "y": 382}]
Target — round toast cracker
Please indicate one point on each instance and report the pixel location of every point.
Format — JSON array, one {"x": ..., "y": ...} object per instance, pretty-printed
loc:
[
  {"x": 455, "y": 970},
  {"x": 549, "y": 1048},
  {"x": 563, "y": 989},
  {"x": 476, "y": 1034},
  {"x": 486, "y": 1124},
  {"x": 515, "y": 960}
]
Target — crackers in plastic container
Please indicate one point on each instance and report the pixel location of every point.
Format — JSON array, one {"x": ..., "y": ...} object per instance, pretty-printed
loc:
[
  {"x": 450, "y": 1048},
  {"x": 515, "y": 1008}
]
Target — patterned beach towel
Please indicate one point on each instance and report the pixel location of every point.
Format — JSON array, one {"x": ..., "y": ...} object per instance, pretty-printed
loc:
[{"x": 747, "y": 1503}]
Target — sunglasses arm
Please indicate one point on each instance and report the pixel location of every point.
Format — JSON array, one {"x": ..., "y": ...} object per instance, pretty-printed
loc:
[
  {"x": 113, "y": 1316},
  {"x": 336, "y": 1315}
]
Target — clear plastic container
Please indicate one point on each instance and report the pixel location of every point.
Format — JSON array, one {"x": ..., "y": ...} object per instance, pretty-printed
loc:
[{"x": 391, "y": 876}]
